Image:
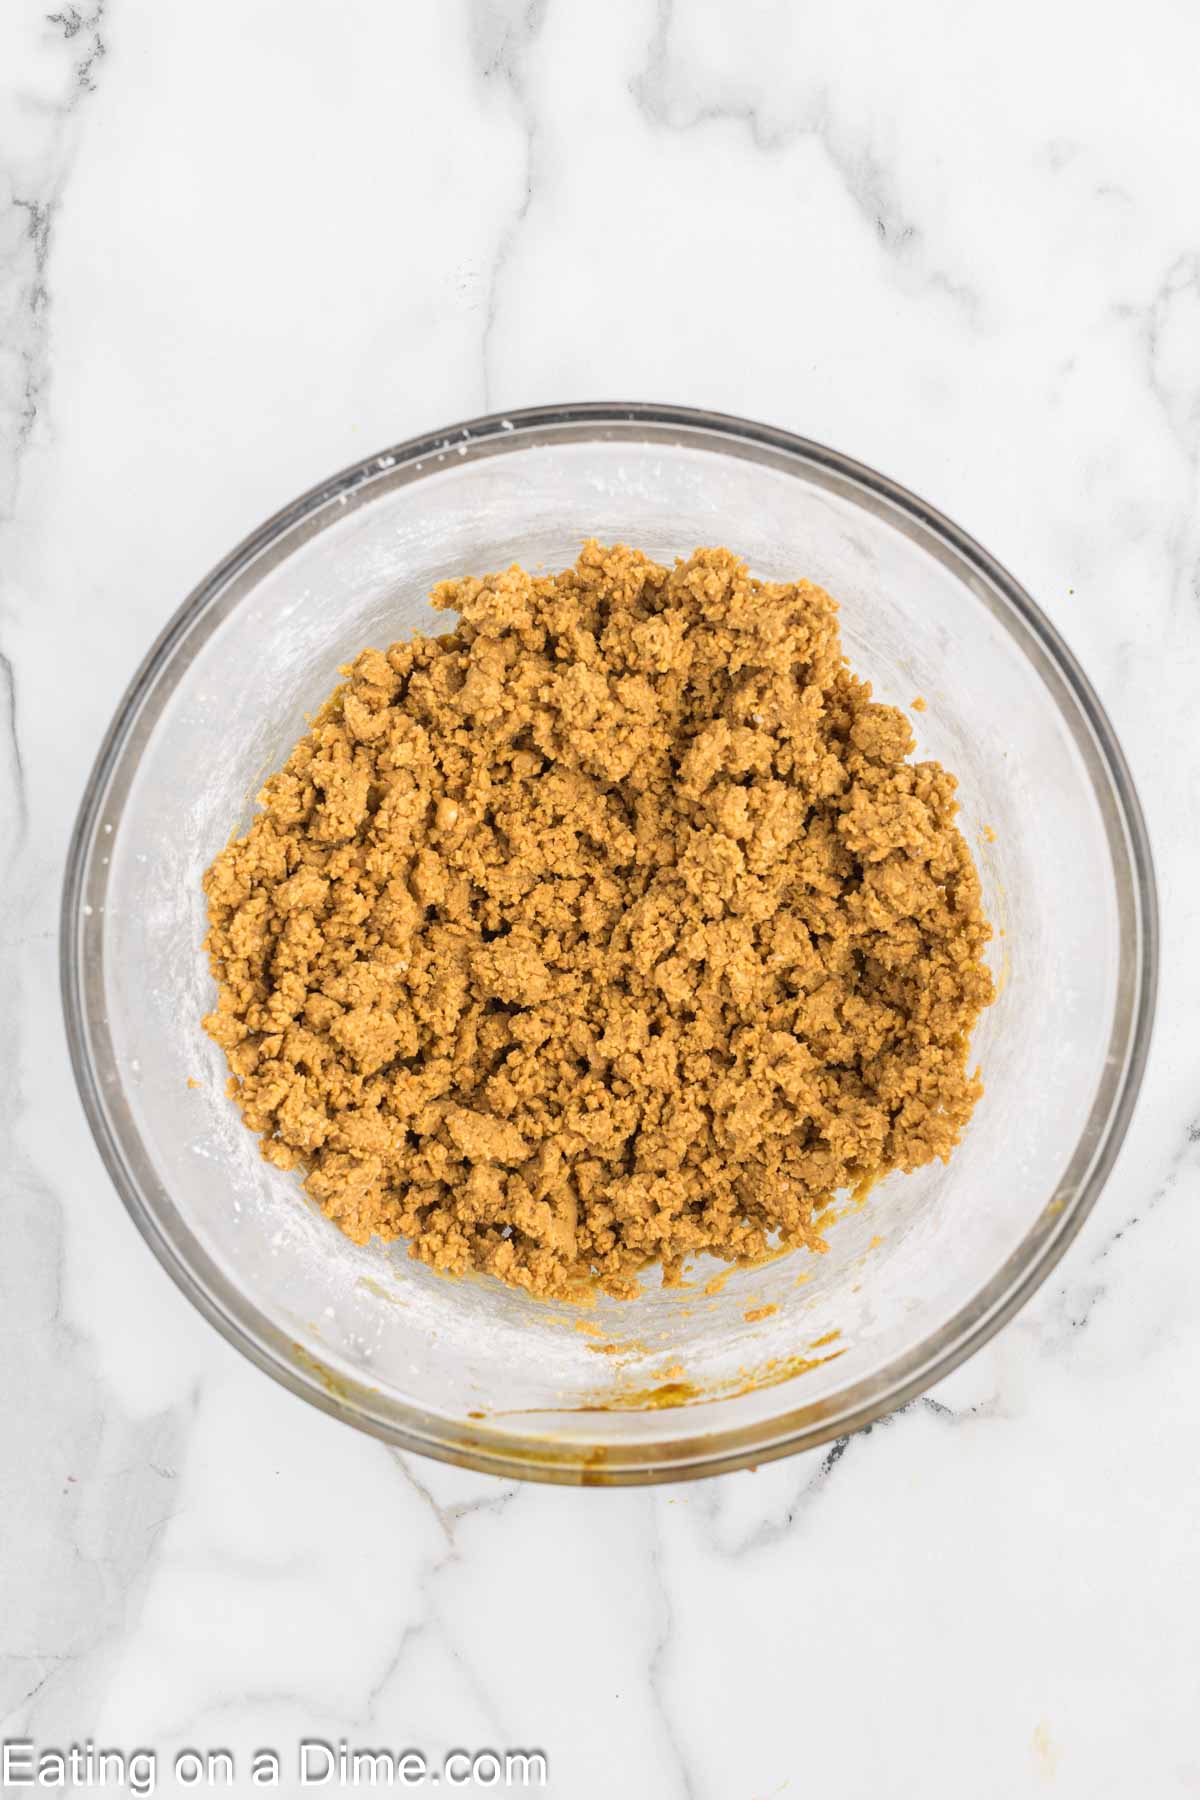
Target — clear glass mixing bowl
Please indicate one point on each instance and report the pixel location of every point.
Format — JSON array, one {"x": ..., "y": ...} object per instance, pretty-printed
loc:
[{"x": 915, "y": 1278}]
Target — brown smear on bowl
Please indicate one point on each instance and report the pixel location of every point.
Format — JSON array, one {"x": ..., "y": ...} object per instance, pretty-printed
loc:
[
  {"x": 614, "y": 926},
  {"x": 688, "y": 1393}
]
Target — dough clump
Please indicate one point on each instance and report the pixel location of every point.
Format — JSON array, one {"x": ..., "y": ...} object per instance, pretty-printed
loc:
[{"x": 611, "y": 927}]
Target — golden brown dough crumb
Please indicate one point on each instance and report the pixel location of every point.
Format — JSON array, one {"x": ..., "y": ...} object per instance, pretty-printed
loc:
[{"x": 611, "y": 927}]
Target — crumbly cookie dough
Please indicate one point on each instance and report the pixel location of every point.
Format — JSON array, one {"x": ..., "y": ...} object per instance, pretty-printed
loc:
[{"x": 611, "y": 927}]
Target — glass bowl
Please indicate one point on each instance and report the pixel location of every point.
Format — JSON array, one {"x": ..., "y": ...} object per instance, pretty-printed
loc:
[{"x": 680, "y": 1382}]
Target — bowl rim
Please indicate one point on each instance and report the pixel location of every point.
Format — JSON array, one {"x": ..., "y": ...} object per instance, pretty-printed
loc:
[{"x": 534, "y": 1456}]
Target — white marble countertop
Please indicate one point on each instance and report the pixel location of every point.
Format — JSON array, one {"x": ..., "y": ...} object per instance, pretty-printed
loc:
[{"x": 243, "y": 242}]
